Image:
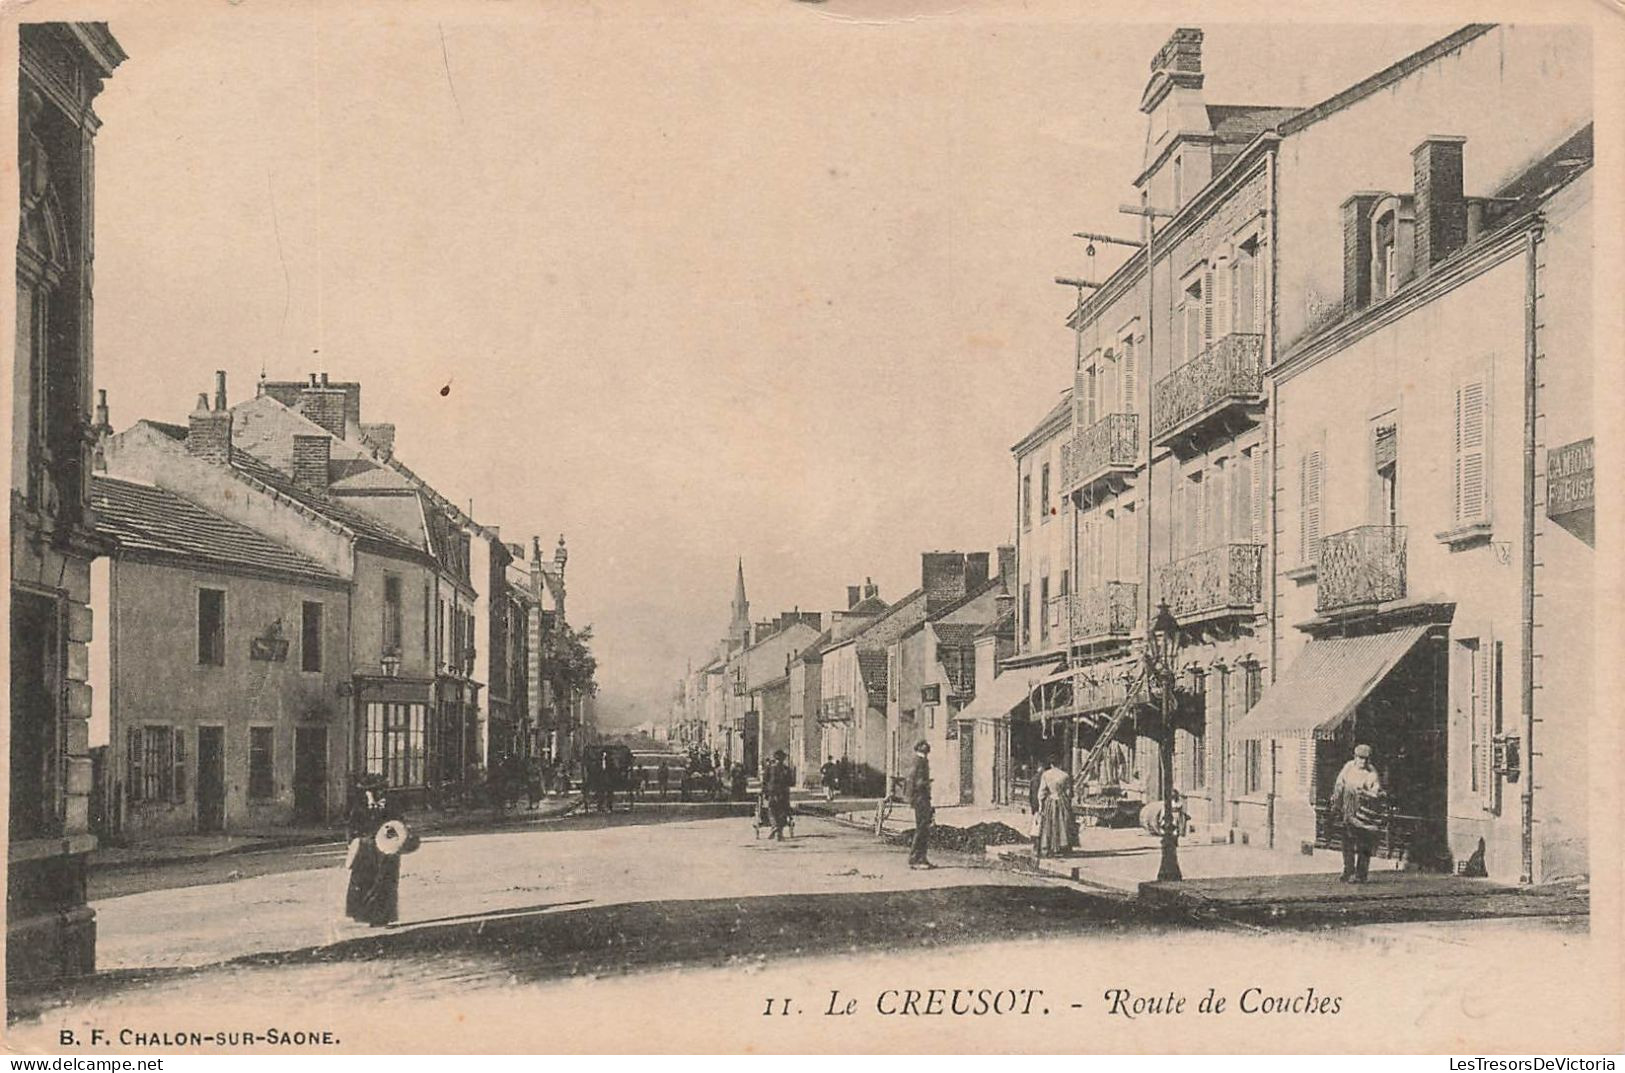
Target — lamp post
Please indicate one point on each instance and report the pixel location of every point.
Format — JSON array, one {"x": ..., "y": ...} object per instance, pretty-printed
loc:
[{"x": 1162, "y": 649}]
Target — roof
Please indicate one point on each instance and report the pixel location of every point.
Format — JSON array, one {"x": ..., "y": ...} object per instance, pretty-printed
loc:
[
  {"x": 1003, "y": 626},
  {"x": 1324, "y": 685},
  {"x": 957, "y": 633},
  {"x": 869, "y": 605},
  {"x": 142, "y": 518},
  {"x": 893, "y": 623},
  {"x": 1531, "y": 187},
  {"x": 813, "y": 651},
  {"x": 1385, "y": 77},
  {"x": 1241, "y": 123},
  {"x": 1059, "y": 415}
]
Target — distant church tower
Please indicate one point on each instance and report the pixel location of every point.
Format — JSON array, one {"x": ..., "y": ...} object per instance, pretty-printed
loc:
[{"x": 739, "y": 625}]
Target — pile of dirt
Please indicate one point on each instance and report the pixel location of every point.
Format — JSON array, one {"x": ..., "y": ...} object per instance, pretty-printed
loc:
[{"x": 973, "y": 839}]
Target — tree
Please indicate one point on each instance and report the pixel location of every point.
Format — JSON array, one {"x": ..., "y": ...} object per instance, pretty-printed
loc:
[{"x": 575, "y": 667}]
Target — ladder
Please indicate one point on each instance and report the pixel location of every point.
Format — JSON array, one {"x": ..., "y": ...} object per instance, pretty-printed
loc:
[{"x": 1119, "y": 715}]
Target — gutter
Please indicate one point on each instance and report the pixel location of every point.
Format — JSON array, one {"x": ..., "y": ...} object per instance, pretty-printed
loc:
[{"x": 1526, "y": 641}]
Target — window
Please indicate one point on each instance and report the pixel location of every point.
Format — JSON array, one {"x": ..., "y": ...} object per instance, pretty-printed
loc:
[
  {"x": 1043, "y": 501},
  {"x": 395, "y": 743},
  {"x": 1066, "y": 583},
  {"x": 1472, "y": 459},
  {"x": 1091, "y": 390},
  {"x": 428, "y": 617},
  {"x": 392, "y": 613},
  {"x": 151, "y": 764},
  {"x": 211, "y": 627},
  {"x": 1027, "y": 501},
  {"x": 1127, "y": 371},
  {"x": 1027, "y": 614},
  {"x": 261, "y": 766},
  {"x": 440, "y": 635},
  {"x": 1194, "y": 317},
  {"x": 1246, "y": 295},
  {"x": 1481, "y": 684},
  {"x": 310, "y": 636},
  {"x": 1385, "y": 461},
  {"x": 1192, "y": 516},
  {"x": 1311, "y": 475},
  {"x": 1241, "y": 498},
  {"x": 1043, "y": 602}
]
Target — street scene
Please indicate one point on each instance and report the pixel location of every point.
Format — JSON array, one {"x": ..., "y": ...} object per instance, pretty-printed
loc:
[{"x": 549, "y": 515}]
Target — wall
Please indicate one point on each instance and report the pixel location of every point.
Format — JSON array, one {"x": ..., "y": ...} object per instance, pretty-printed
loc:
[
  {"x": 1470, "y": 93},
  {"x": 156, "y": 680},
  {"x": 1042, "y": 547}
]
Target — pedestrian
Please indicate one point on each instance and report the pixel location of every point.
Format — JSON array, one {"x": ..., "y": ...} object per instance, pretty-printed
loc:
[
  {"x": 662, "y": 778},
  {"x": 827, "y": 775},
  {"x": 1357, "y": 806},
  {"x": 741, "y": 782},
  {"x": 776, "y": 782},
  {"x": 1054, "y": 811},
  {"x": 373, "y": 894},
  {"x": 639, "y": 779},
  {"x": 919, "y": 795}
]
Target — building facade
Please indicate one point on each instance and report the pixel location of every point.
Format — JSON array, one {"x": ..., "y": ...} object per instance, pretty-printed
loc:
[{"x": 50, "y": 930}]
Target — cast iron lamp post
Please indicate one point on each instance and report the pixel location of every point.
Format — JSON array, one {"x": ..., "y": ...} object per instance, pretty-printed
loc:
[{"x": 1161, "y": 652}]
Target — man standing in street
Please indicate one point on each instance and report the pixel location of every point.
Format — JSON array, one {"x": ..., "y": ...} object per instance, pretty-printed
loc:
[
  {"x": 919, "y": 795},
  {"x": 776, "y": 783},
  {"x": 663, "y": 778},
  {"x": 827, "y": 775},
  {"x": 1357, "y": 807}
]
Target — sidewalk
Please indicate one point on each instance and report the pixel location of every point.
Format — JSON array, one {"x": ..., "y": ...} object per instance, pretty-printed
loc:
[{"x": 178, "y": 849}]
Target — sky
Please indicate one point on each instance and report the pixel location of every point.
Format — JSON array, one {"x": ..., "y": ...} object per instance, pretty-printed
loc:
[{"x": 769, "y": 281}]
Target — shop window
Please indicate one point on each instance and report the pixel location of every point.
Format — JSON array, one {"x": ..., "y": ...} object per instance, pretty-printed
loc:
[{"x": 395, "y": 743}]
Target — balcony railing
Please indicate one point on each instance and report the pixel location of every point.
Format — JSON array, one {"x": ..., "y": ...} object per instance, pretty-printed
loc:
[
  {"x": 1103, "y": 612},
  {"x": 1225, "y": 578},
  {"x": 1227, "y": 374},
  {"x": 1363, "y": 565},
  {"x": 1108, "y": 447}
]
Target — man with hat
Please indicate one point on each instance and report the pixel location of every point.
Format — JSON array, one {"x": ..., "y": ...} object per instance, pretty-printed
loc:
[
  {"x": 776, "y": 782},
  {"x": 919, "y": 795},
  {"x": 1356, "y": 805}
]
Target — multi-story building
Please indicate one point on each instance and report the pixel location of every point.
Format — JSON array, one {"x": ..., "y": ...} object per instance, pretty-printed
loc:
[
  {"x": 761, "y": 671},
  {"x": 50, "y": 930},
  {"x": 1436, "y": 567},
  {"x": 220, "y": 671}
]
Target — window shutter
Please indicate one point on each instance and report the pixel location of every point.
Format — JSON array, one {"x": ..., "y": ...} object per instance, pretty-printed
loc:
[
  {"x": 1256, "y": 264},
  {"x": 1260, "y": 490},
  {"x": 1306, "y": 764},
  {"x": 1309, "y": 508},
  {"x": 1128, "y": 373},
  {"x": 1221, "y": 321},
  {"x": 1093, "y": 396},
  {"x": 132, "y": 764},
  {"x": 1472, "y": 452},
  {"x": 1207, "y": 306},
  {"x": 178, "y": 786}
]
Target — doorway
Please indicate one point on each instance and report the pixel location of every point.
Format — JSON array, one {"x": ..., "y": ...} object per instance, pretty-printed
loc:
[
  {"x": 310, "y": 774},
  {"x": 35, "y": 685},
  {"x": 211, "y": 779}
]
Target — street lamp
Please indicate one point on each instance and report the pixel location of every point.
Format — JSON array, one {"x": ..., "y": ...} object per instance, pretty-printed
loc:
[{"x": 1161, "y": 652}]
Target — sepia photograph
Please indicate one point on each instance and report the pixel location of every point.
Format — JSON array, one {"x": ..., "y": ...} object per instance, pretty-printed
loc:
[{"x": 813, "y": 526}]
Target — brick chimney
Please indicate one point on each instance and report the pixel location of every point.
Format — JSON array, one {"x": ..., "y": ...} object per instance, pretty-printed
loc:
[
  {"x": 1357, "y": 250},
  {"x": 1441, "y": 210},
  {"x": 310, "y": 457},
  {"x": 208, "y": 434},
  {"x": 976, "y": 564},
  {"x": 1173, "y": 101},
  {"x": 942, "y": 576},
  {"x": 323, "y": 405},
  {"x": 854, "y": 593},
  {"x": 1007, "y": 566}
]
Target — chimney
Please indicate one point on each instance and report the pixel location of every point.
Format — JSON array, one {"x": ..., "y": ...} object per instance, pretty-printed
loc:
[
  {"x": 975, "y": 570},
  {"x": 103, "y": 428},
  {"x": 208, "y": 434},
  {"x": 870, "y": 588},
  {"x": 381, "y": 436},
  {"x": 323, "y": 405},
  {"x": 854, "y": 593},
  {"x": 310, "y": 458},
  {"x": 102, "y": 421},
  {"x": 1357, "y": 250},
  {"x": 942, "y": 576},
  {"x": 220, "y": 389},
  {"x": 1441, "y": 210},
  {"x": 1004, "y": 604},
  {"x": 1007, "y": 566}
]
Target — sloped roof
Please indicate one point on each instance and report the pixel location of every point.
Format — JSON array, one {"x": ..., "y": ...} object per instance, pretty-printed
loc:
[
  {"x": 869, "y": 605},
  {"x": 1244, "y": 122},
  {"x": 873, "y": 667},
  {"x": 142, "y": 518},
  {"x": 356, "y": 521},
  {"x": 894, "y": 623},
  {"x": 957, "y": 633},
  {"x": 1060, "y": 413},
  {"x": 1003, "y": 626}
]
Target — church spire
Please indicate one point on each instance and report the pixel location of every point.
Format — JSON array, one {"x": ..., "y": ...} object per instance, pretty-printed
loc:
[{"x": 739, "y": 625}]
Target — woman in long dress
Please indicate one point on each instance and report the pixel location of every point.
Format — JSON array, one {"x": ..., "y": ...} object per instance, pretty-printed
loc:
[
  {"x": 373, "y": 894},
  {"x": 1054, "y": 811}
]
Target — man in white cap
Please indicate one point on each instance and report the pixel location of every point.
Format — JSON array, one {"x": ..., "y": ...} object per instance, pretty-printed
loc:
[
  {"x": 1356, "y": 807},
  {"x": 919, "y": 795}
]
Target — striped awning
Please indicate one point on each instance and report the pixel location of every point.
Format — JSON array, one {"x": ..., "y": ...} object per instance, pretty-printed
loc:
[
  {"x": 996, "y": 699},
  {"x": 1325, "y": 684}
]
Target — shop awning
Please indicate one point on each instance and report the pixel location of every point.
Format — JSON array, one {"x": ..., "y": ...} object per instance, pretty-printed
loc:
[
  {"x": 1009, "y": 689},
  {"x": 1325, "y": 684}
]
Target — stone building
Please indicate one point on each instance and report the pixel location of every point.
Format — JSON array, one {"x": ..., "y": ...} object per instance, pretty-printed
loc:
[
  {"x": 50, "y": 930},
  {"x": 220, "y": 671}
]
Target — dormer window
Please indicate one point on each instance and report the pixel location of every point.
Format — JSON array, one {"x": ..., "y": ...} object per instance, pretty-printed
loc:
[{"x": 1392, "y": 241}]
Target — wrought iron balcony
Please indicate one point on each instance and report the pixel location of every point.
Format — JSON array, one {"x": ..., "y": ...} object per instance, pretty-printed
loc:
[
  {"x": 1359, "y": 566},
  {"x": 1103, "y": 453},
  {"x": 1100, "y": 613},
  {"x": 1226, "y": 579},
  {"x": 1212, "y": 392}
]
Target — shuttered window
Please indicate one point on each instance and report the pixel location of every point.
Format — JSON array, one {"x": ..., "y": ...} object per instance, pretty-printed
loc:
[
  {"x": 1221, "y": 281},
  {"x": 1207, "y": 308},
  {"x": 1241, "y": 487},
  {"x": 1311, "y": 477},
  {"x": 1128, "y": 371},
  {"x": 1472, "y": 478}
]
